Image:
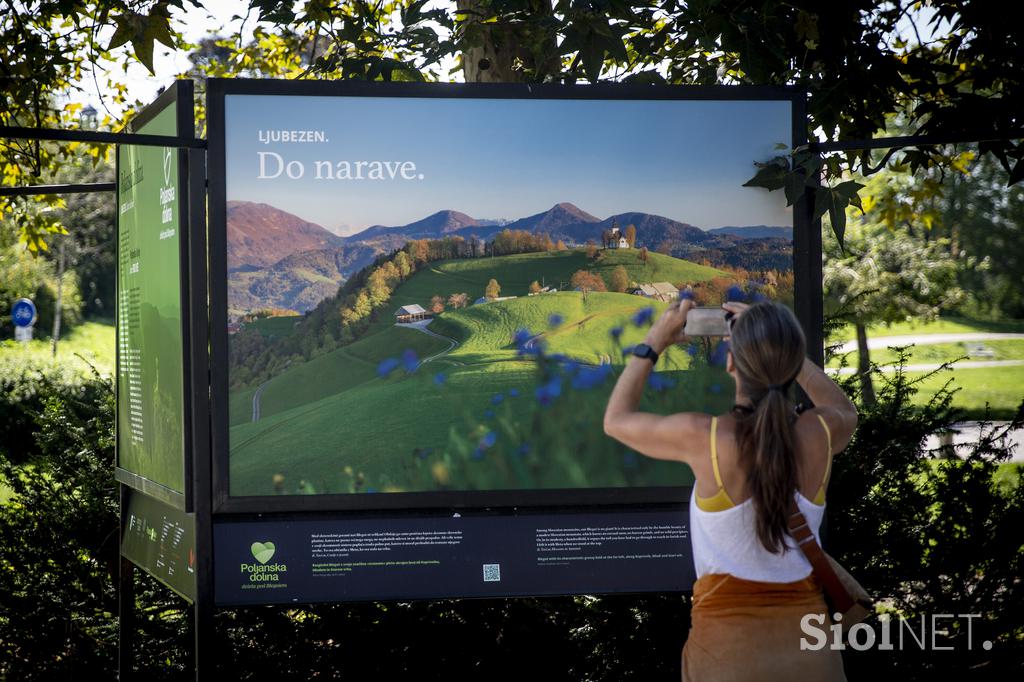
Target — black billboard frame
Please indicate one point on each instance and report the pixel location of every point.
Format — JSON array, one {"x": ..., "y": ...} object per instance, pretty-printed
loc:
[{"x": 806, "y": 255}]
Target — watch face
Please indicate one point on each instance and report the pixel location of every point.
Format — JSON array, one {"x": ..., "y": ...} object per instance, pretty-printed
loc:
[{"x": 642, "y": 350}]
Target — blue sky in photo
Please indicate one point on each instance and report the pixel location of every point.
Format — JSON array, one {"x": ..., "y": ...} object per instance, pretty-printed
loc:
[{"x": 493, "y": 158}]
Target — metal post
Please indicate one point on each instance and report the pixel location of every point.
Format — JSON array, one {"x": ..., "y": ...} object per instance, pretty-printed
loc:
[
  {"x": 125, "y": 609},
  {"x": 204, "y": 629}
]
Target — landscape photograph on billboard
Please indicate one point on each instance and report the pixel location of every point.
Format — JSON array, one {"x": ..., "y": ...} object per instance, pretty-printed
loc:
[{"x": 437, "y": 294}]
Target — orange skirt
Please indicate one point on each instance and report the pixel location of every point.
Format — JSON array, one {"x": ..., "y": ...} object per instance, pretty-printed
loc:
[{"x": 747, "y": 630}]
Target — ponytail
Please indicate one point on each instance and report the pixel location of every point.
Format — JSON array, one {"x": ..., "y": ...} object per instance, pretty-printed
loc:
[
  {"x": 768, "y": 350},
  {"x": 766, "y": 443}
]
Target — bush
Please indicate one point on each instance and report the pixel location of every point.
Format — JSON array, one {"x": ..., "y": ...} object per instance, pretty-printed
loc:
[
  {"x": 59, "y": 554},
  {"x": 931, "y": 537},
  {"x": 25, "y": 389}
]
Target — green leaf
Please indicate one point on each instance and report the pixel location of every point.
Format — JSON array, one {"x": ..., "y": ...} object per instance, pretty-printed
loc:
[
  {"x": 158, "y": 26},
  {"x": 770, "y": 175},
  {"x": 143, "y": 46},
  {"x": 794, "y": 187},
  {"x": 593, "y": 60},
  {"x": 123, "y": 34},
  {"x": 837, "y": 214},
  {"x": 822, "y": 201}
]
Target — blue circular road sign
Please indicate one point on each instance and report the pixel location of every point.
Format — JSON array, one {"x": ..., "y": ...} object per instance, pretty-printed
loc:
[{"x": 23, "y": 313}]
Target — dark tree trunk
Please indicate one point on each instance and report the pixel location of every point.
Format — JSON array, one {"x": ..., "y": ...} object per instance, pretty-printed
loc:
[{"x": 867, "y": 389}]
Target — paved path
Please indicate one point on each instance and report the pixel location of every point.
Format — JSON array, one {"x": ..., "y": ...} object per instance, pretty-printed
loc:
[
  {"x": 963, "y": 364},
  {"x": 970, "y": 432},
  {"x": 256, "y": 401},
  {"x": 928, "y": 339},
  {"x": 421, "y": 326}
]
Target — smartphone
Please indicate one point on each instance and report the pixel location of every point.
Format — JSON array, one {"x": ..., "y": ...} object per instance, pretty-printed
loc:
[{"x": 707, "y": 322}]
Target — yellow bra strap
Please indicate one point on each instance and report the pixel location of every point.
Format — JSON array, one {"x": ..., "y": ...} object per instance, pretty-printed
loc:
[{"x": 714, "y": 453}]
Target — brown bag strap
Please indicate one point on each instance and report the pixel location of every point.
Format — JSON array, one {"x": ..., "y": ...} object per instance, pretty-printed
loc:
[{"x": 801, "y": 532}]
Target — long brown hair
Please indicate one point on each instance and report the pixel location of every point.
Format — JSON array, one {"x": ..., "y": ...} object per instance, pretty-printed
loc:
[{"x": 768, "y": 349}]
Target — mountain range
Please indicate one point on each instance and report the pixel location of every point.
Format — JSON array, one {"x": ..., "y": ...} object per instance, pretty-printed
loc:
[{"x": 276, "y": 259}]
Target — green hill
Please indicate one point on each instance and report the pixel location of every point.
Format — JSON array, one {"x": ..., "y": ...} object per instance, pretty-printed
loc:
[{"x": 335, "y": 411}]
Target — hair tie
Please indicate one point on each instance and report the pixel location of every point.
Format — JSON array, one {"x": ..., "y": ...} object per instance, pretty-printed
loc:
[{"x": 780, "y": 387}]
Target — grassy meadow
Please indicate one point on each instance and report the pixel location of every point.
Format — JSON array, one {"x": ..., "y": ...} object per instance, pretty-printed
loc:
[{"x": 338, "y": 413}]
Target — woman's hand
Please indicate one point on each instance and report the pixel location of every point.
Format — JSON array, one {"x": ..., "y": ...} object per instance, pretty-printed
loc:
[
  {"x": 668, "y": 328},
  {"x": 737, "y": 309}
]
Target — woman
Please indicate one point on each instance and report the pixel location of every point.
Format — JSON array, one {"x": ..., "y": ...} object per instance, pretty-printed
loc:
[{"x": 753, "y": 583}]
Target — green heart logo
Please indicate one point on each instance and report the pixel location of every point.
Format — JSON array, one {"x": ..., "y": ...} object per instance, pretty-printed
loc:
[{"x": 262, "y": 551}]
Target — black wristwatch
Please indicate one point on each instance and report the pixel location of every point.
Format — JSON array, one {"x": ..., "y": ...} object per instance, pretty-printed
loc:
[{"x": 642, "y": 350}]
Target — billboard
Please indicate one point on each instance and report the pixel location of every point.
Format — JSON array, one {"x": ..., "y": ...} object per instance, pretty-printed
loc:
[
  {"x": 151, "y": 419},
  {"x": 422, "y": 295}
]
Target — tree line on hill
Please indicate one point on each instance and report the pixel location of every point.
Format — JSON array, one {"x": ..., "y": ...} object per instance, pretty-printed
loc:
[{"x": 343, "y": 318}]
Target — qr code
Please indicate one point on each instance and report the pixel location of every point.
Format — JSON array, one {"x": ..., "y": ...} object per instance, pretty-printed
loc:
[{"x": 492, "y": 573}]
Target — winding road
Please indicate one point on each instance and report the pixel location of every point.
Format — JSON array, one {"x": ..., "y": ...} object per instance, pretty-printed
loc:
[
  {"x": 421, "y": 326},
  {"x": 256, "y": 400}
]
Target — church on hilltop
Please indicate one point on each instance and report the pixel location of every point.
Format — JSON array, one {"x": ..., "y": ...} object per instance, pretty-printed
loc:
[{"x": 617, "y": 240}]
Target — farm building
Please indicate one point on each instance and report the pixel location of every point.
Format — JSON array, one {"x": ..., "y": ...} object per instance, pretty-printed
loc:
[
  {"x": 411, "y": 313},
  {"x": 659, "y": 291}
]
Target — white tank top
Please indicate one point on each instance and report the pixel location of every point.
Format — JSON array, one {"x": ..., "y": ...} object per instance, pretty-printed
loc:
[{"x": 726, "y": 542}]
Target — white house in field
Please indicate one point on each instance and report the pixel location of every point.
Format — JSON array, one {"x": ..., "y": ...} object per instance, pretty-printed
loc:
[{"x": 411, "y": 313}]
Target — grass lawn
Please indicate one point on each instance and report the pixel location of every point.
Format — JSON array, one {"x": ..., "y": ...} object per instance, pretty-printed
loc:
[
  {"x": 936, "y": 353},
  {"x": 89, "y": 343},
  {"x": 944, "y": 325},
  {"x": 1001, "y": 387}
]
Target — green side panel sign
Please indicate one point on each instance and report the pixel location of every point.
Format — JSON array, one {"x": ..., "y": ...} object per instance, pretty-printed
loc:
[
  {"x": 160, "y": 540},
  {"x": 150, "y": 383}
]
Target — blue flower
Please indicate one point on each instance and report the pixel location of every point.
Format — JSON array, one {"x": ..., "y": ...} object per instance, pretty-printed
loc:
[
  {"x": 627, "y": 350},
  {"x": 410, "y": 360},
  {"x": 478, "y": 453},
  {"x": 523, "y": 450},
  {"x": 615, "y": 332},
  {"x": 489, "y": 439},
  {"x": 591, "y": 377},
  {"x": 629, "y": 459},
  {"x": 440, "y": 378},
  {"x": 423, "y": 453},
  {"x": 718, "y": 354},
  {"x": 497, "y": 398},
  {"x": 549, "y": 391},
  {"x": 659, "y": 382},
  {"x": 643, "y": 316},
  {"x": 371, "y": 490},
  {"x": 759, "y": 297},
  {"x": 387, "y": 366},
  {"x": 555, "y": 319},
  {"x": 686, "y": 294},
  {"x": 534, "y": 348},
  {"x": 692, "y": 350},
  {"x": 513, "y": 393},
  {"x": 521, "y": 336},
  {"x": 715, "y": 388},
  {"x": 734, "y": 293},
  {"x": 488, "y": 414}
]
